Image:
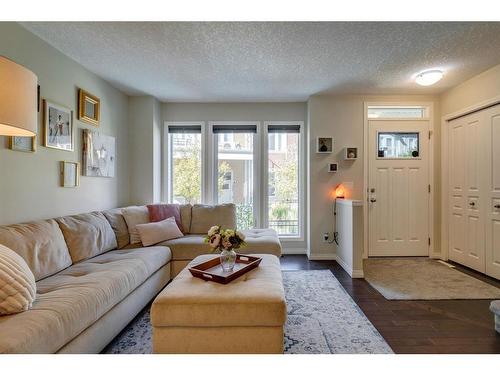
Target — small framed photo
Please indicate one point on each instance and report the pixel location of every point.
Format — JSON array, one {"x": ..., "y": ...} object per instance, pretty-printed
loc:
[
  {"x": 70, "y": 174},
  {"x": 24, "y": 144},
  {"x": 324, "y": 145},
  {"x": 57, "y": 126},
  {"x": 89, "y": 107},
  {"x": 333, "y": 167}
]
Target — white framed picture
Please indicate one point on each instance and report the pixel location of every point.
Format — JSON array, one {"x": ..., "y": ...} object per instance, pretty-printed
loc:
[
  {"x": 98, "y": 154},
  {"x": 58, "y": 126}
]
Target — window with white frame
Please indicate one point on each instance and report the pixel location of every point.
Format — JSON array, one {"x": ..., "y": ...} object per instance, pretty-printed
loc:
[
  {"x": 237, "y": 160},
  {"x": 185, "y": 161}
]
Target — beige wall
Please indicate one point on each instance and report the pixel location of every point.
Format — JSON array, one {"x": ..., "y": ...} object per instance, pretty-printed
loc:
[
  {"x": 145, "y": 149},
  {"x": 342, "y": 118},
  {"x": 476, "y": 90},
  {"x": 29, "y": 183},
  {"x": 234, "y": 111}
]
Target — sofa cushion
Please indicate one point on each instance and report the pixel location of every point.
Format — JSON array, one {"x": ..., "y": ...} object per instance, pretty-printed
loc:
[
  {"x": 256, "y": 298},
  {"x": 17, "y": 283},
  {"x": 160, "y": 212},
  {"x": 187, "y": 247},
  {"x": 261, "y": 241},
  {"x": 87, "y": 235},
  {"x": 119, "y": 226},
  {"x": 203, "y": 217},
  {"x": 69, "y": 302},
  {"x": 135, "y": 215},
  {"x": 186, "y": 217},
  {"x": 40, "y": 243}
]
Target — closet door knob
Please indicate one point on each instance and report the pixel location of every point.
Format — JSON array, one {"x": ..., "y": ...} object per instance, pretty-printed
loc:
[
  {"x": 497, "y": 206},
  {"x": 472, "y": 204}
]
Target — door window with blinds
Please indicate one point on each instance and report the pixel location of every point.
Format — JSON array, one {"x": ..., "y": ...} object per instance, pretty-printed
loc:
[
  {"x": 185, "y": 161},
  {"x": 256, "y": 166}
]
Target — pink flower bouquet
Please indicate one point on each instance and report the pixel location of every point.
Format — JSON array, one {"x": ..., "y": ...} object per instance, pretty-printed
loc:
[{"x": 224, "y": 239}]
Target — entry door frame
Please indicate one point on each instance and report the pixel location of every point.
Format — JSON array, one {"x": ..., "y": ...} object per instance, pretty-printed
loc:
[{"x": 430, "y": 119}]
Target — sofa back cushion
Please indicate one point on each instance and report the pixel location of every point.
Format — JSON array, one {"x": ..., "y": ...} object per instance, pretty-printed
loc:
[
  {"x": 204, "y": 216},
  {"x": 186, "y": 217},
  {"x": 40, "y": 243},
  {"x": 119, "y": 226},
  {"x": 87, "y": 235},
  {"x": 162, "y": 211},
  {"x": 135, "y": 215}
]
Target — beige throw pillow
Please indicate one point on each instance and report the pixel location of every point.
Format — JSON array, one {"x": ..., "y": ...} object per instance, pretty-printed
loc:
[
  {"x": 159, "y": 231},
  {"x": 204, "y": 216},
  {"x": 135, "y": 215},
  {"x": 17, "y": 283}
]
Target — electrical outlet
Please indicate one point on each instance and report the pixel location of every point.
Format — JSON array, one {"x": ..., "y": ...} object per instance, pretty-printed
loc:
[{"x": 326, "y": 236}]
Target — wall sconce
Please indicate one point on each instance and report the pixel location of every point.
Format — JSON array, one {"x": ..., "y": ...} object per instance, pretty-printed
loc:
[{"x": 18, "y": 100}]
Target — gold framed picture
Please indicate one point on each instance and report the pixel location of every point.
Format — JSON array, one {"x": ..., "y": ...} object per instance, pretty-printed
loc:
[
  {"x": 24, "y": 144},
  {"x": 57, "y": 126},
  {"x": 89, "y": 107},
  {"x": 70, "y": 176}
]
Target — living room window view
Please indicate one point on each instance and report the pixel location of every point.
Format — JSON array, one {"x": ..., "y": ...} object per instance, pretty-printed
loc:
[{"x": 249, "y": 188}]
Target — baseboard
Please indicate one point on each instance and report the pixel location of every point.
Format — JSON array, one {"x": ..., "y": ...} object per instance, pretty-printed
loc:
[
  {"x": 294, "y": 251},
  {"x": 322, "y": 256},
  {"x": 355, "y": 274}
]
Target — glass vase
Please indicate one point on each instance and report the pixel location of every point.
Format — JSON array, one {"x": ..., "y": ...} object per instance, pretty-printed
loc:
[{"x": 227, "y": 260}]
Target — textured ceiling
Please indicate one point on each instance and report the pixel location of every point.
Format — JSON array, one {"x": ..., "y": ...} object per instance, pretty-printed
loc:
[{"x": 274, "y": 61}]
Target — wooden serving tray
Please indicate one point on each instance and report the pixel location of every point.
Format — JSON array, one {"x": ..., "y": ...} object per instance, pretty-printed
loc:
[{"x": 211, "y": 270}]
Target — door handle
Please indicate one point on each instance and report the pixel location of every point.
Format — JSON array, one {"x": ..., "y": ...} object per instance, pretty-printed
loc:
[
  {"x": 373, "y": 200},
  {"x": 472, "y": 204},
  {"x": 497, "y": 206}
]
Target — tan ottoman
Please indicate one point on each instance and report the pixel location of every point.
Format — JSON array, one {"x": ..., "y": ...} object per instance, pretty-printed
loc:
[{"x": 245, "y": 316}]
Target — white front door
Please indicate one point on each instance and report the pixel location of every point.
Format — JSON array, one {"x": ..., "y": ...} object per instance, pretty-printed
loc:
[{"x": 398, "y": 188}]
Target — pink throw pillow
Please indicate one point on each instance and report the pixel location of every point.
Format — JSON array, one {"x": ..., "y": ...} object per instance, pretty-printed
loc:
[
  {"x": 153, "y": 233},
  {"x": 159, "y": 212}
]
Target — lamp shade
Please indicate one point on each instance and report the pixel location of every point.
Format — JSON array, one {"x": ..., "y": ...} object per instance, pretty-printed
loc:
[{"x": 18, "y": 99}]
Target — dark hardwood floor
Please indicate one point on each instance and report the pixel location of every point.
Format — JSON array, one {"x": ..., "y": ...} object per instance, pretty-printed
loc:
[{"x": 452, "y": 326}]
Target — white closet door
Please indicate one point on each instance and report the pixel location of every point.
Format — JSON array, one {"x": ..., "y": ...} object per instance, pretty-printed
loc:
[
  {"x": 467, "y": 190},
  {"x": 492, "y": 206}
]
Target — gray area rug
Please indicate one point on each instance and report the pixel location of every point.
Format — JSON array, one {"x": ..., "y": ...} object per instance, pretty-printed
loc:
[
  {"x": 423, "y": 279},
  {"x": 322, "y": 319}
]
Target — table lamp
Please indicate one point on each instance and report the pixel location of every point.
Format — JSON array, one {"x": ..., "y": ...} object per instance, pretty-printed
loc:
[{"x": 18, "y": 100}]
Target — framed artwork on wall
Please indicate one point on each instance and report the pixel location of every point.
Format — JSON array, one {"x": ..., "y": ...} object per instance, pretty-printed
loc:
[
  {"x": 69, "y": 174},
  {"x": 89, "y": 107},
  {"x": 98, "y": 154},
  {"x": 324, "y": 145},
  {"x": 57, "y": 126},
  {"x": 25, "y": 144}
]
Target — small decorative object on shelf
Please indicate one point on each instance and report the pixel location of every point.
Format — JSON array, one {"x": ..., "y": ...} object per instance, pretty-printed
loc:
[
  {"x": 226, "y": 241},
  {"x": 333, "y": 167},
  {"x": 324, "y": 145},
  {"x": 350, "y": 153}
]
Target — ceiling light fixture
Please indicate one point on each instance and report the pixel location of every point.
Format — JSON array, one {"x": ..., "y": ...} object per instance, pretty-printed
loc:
[{"x": 429, "y": 77}]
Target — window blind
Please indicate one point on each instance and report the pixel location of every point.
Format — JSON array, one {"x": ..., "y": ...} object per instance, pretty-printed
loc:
[
  {"x": 193, "y": 129},
  {"x": 283, "y": 129},
  {"x": 234, "y": 129}
]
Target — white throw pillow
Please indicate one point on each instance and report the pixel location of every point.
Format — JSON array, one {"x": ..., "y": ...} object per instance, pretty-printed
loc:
[
  {"x": 135, "y": 215},
  {"x": 17, "y": 283},
  {"x": 159, "y": 231}
]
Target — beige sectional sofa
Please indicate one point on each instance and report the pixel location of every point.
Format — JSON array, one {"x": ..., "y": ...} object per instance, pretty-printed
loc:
[{"x": 91, "y": 282}]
